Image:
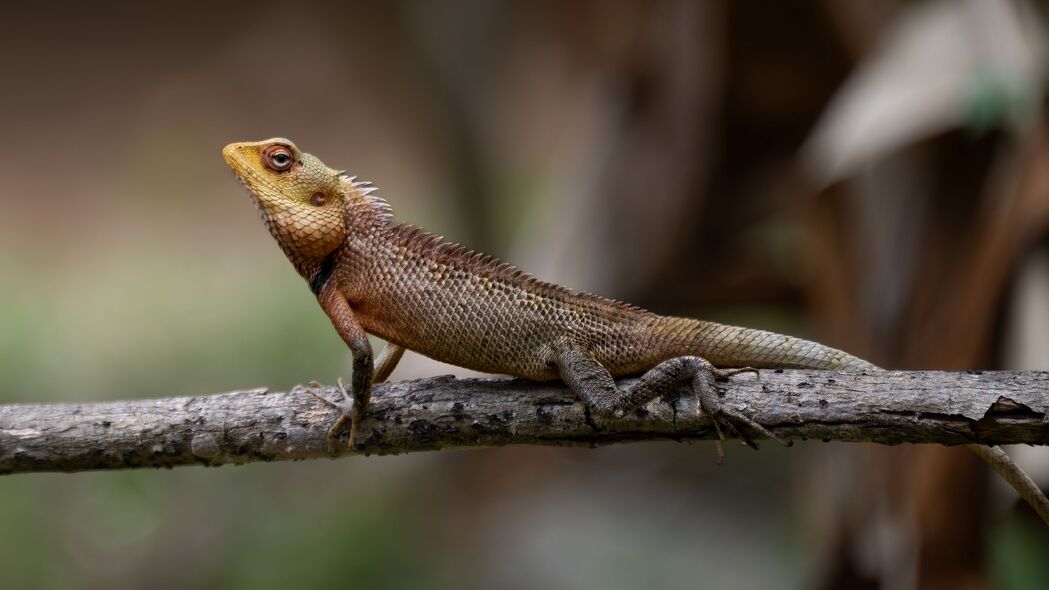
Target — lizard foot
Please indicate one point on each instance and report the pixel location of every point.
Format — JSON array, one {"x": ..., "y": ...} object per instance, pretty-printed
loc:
[
  {"x": 726, "y": 418},
  {"x": 349, "y": 413}
]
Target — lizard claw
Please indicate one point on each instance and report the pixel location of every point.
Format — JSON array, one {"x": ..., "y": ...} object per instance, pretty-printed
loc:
[
  {"x": 348, "y": 410},
  {"x": 726, "y": 419}
]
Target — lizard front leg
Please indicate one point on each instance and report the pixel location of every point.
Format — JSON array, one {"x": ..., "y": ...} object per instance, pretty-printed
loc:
[
  {"x": 384, "y": 365},
  {"x": 341, "y": 315},
  {"x": 592, "y": 383}
]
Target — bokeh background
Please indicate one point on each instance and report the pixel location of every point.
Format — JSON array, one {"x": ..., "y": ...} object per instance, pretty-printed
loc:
[{"x": 872, "y": 174}]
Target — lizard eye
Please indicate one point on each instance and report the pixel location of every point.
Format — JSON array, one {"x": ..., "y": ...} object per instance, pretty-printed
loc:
[{"x": 277, "y": 158}]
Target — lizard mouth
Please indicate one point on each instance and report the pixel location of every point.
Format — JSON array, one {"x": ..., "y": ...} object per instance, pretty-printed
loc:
[
  {"x": 246, "y": 183},
  {"x": 238, "y": 167}
]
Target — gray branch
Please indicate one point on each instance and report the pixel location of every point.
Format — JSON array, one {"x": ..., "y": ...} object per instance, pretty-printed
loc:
[{"x": 442, "y": 412}]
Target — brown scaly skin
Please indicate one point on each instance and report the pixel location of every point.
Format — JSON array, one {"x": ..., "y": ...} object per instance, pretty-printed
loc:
[{"x": 416, "y": 291}]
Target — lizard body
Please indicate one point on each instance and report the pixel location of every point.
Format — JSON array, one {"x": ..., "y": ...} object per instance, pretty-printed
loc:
[
  {"x": 454, "y": 305},
  {"x": 419, "y": 292},
  {"x": 440, "y": 299}
]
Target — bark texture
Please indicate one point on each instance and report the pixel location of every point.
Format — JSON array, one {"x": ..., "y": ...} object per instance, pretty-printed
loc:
[{"x": 442, "y": 412}]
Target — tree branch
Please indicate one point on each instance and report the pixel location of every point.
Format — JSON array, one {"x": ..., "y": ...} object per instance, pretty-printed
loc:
[{"x": 442, "y": 412}]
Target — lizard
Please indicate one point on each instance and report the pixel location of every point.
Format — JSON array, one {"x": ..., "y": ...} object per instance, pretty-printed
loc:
[{"x": 417, "y": 291}]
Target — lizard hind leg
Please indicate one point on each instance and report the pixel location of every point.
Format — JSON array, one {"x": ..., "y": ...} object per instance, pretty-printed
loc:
[
  {"x": 592, "y": 383},
  {"x": 387, "y": 362}
]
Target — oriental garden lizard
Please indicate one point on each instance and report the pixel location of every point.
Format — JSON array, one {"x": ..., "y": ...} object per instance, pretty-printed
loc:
[{"x": 416, "y": 291}]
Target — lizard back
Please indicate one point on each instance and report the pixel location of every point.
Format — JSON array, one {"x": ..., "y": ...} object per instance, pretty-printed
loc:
[{"x": 472, "y": 310}]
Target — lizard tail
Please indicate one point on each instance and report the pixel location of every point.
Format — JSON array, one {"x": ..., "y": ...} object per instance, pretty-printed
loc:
[{"x": 731, "y": 346}]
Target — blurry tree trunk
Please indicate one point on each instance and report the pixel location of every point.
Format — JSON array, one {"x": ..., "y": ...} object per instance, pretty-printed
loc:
[{"x": 983, "y": 205}]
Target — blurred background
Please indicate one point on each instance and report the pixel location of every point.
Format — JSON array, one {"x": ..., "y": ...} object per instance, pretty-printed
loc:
[{"x": 871, "y": 174}]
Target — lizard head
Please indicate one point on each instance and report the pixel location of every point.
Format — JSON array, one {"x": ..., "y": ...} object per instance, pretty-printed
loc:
[{"x": 307, "y": 206}]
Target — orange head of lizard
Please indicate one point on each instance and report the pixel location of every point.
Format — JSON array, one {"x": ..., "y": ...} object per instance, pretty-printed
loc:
[{"x": 302, "y": 201}]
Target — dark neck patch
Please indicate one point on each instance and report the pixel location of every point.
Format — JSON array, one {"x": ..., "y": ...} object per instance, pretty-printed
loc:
[{"x": 324, "y": 271}]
